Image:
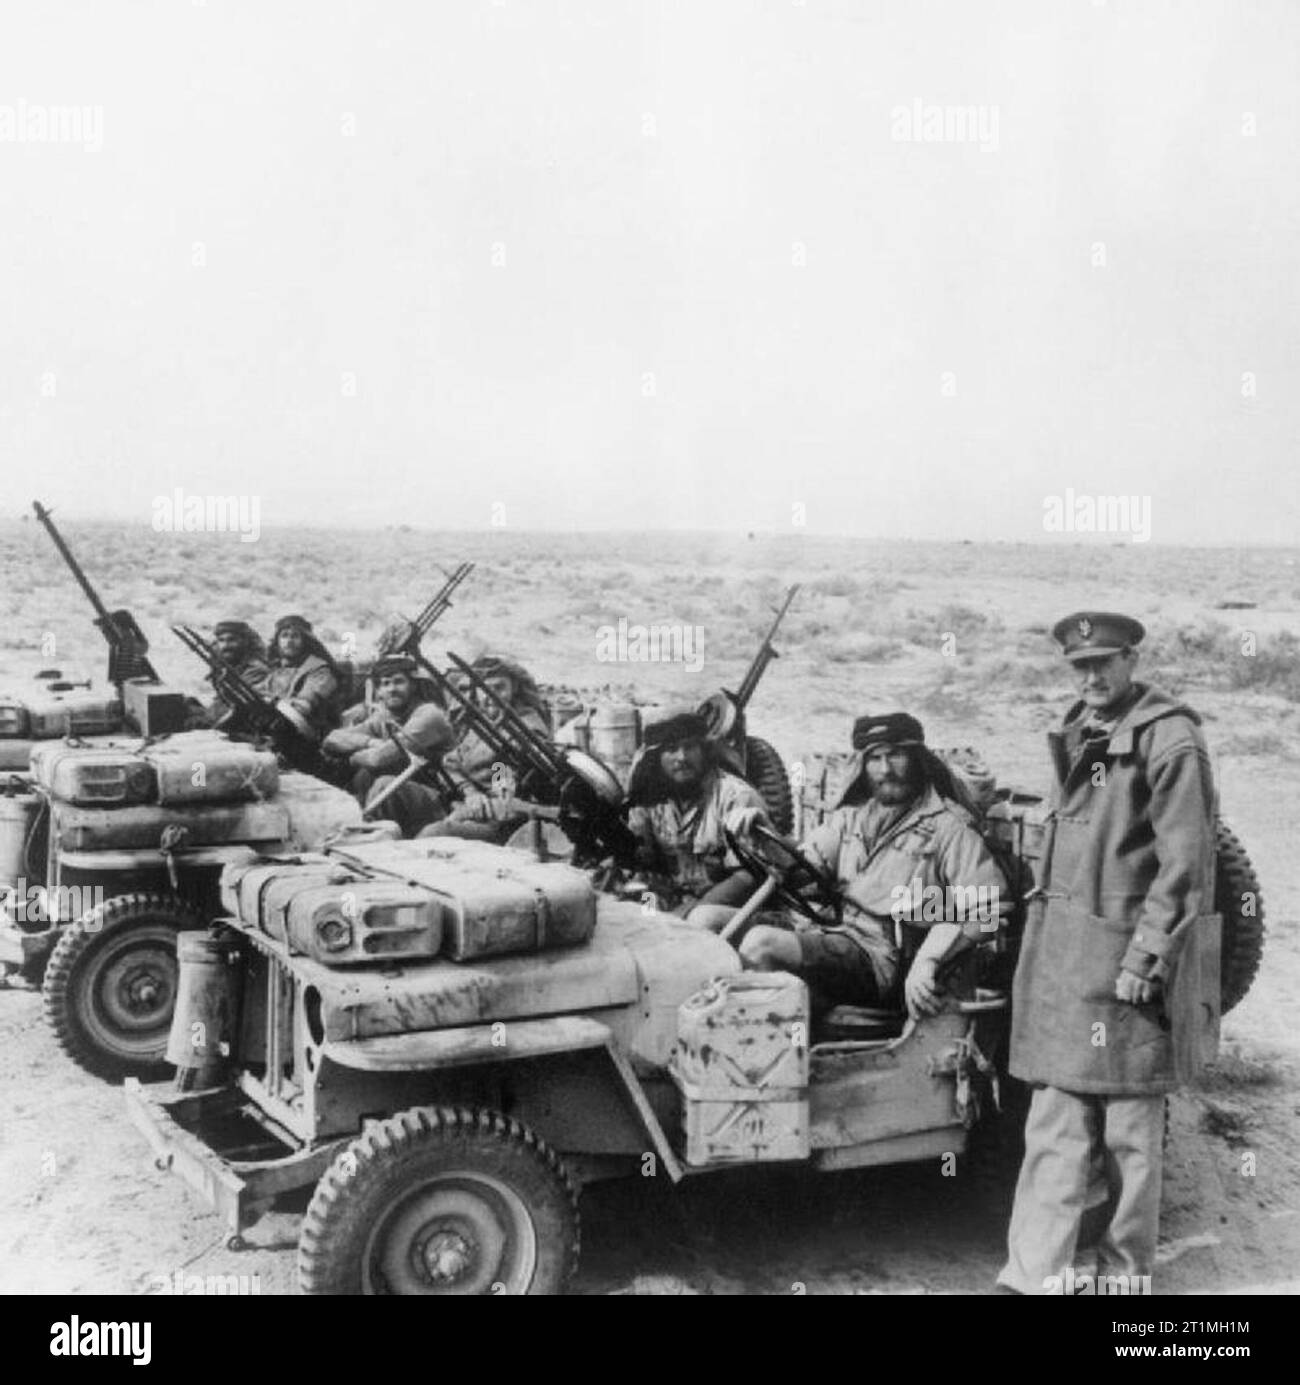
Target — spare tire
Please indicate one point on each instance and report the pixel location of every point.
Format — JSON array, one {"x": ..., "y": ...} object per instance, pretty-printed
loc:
[
  {"x": 1238, "y": 900},
  {"x": 764, "y": 770}
]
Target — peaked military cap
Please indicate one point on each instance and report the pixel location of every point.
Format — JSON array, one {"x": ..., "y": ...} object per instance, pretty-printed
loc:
[{"x": 1093, "y": 634}]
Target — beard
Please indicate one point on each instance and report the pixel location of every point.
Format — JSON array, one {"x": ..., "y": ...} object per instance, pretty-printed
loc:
[
  {"x": 684, "y": 780},
  {"x": 890, "y": 789}
]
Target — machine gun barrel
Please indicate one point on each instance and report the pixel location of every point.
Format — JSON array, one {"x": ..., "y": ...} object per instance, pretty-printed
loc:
[
  {"x": 441, "y": 601},
  {"x": 74, "y": 566},
  {"x": 127, "y": 645},
  {"x": 766, "y": 653},
  {"x": 473, "y": 718},
  {"x": 227, "y": 680},
  {"x": 544, "y": 756},
  {"x": 595, "y": 826},
  {"x": 466, "y": 715},
  {"x": 259, "y": 713}
]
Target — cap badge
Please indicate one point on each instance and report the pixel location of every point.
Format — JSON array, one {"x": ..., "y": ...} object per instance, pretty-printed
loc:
[{"x": 1085, "y": 627}]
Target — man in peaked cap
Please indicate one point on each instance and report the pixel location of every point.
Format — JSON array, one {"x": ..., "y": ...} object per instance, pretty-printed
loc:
[
  {"x": 372, "y": 742},
  {"x": 1109, "y": 1009},
  {"x": 902, "y": 848},
  {"x": 681, "y": 803}
]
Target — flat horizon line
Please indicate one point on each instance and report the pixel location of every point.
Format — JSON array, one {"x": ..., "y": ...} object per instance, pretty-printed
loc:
[{"x": 330, "y": 526}]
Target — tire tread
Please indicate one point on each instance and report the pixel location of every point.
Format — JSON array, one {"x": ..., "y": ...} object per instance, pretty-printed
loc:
[
  {"x": 324, "y": 1266},
  {"x": 70, "y": 951}
]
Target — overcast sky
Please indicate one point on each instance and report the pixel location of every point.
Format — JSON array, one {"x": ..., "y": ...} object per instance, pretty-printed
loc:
[{"x": 661, "y": 263}]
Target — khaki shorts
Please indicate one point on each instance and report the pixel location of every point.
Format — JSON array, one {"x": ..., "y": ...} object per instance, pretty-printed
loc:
[{"x": 837, "y": 970}]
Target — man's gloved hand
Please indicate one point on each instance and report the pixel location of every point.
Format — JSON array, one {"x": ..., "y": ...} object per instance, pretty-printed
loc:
[
  {"x": 1134, "y": 989},
  {"x": 920, "y": 989}
]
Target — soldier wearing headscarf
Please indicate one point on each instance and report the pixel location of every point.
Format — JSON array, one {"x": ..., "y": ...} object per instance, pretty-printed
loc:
[
  {"x": 682, "y": 802},
  {"x": 242, "y": 648},
  {"x": 900, "y": 847},
  {"x": 488, "y": 809},
  {"x": 303, "y": 680}
]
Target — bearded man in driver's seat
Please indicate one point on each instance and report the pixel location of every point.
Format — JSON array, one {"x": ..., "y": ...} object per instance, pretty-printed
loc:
[{"x": 902, "y": 849}]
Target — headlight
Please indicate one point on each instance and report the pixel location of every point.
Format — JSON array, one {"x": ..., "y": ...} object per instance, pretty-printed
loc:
[{"x": 334, "y": 934}]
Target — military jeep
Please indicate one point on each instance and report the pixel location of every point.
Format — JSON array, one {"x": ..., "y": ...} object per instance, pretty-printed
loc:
[
  {"x": 138, "y": 830},
  {"x": 448, "y": 1039}
]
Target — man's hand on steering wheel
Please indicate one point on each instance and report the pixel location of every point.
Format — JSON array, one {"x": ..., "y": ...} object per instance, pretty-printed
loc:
[{"x": 792, "y": 873}]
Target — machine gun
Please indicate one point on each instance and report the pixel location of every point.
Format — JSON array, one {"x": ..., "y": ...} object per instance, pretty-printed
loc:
[
  {"x": 127, "y": 645},
  {"x": 586, "y": 796},
  {"x": 725, "y": 710},
  {"x": 403, "y": 636},
  {"x": 249, "y": 709}
]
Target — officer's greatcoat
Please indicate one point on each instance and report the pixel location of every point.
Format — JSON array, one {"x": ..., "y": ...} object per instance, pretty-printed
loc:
[{"x": 1127, "y": 881}]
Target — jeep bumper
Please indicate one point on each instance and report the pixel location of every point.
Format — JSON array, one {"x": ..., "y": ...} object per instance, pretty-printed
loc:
[
  {"x": 20, "y": 947},
  {"x": 207, "y": 1138}
]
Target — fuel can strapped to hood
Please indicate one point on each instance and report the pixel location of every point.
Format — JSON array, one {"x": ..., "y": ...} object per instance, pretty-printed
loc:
[{"x": 395, "y": 900}]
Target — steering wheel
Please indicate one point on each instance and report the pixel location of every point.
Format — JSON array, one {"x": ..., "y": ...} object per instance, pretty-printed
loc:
[{"x": 791, "y": 874}]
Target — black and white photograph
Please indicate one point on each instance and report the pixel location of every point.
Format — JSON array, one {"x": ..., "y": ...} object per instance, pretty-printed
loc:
[{"x": 651, "y": 649}]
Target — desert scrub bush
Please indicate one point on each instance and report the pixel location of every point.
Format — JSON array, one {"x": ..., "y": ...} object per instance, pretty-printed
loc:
[
  {"x": 948, "y": 701},
  {"x": 862, "y": 649},
  {"x": 1197, "y": 645},
  {"x": 1244, "y": 743},
  {"x": 1015, "y": 673},
  {"x": 965, "y": 621},
  {"x": 911, "y": 627},
  {"x": 1274, "y": 667},
  {"x": 1218, "y": 656},
  {"x": 839, "y": 584},
  {"x": 798, "y": 629}
]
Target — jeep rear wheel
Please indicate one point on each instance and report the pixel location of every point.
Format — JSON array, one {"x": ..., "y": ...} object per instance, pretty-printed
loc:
[
  {"x": 1237, "y": 899},
  {"x": 764, "y": 770},
  {"x": 110, "y": 987},
  {"x": 439, "y": 1200}
]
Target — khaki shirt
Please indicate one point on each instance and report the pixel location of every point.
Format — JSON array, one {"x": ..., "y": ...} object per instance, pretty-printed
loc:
[
  {"x": 685, "y": 842},
  {"x": 923, "y": 866},
  {"x": 366, "y": 737},
  {"x": 309, "y": 685},
  {"x": 471, "y": 760}
]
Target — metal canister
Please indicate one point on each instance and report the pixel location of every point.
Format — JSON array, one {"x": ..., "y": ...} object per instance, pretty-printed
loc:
[
  {"x": 615, "y": 734},
  {"x": 205, "y": 1023},
  {"x": 17, "y": 818}
]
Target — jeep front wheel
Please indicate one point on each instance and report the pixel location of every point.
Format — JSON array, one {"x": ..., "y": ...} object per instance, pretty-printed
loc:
[
  {"x": 438, "y": 1200},
  {"x": 110, "y": 987}
]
